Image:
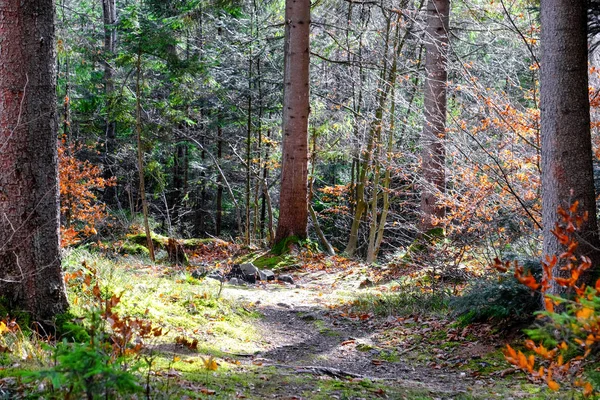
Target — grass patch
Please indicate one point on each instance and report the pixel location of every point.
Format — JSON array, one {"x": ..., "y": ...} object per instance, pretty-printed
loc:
[{"x": 401, "y": 303}]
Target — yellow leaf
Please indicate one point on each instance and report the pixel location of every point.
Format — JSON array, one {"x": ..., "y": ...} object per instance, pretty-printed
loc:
[
  {"x": 3, "y": 327},
  {"x": 553, "y": 385},
  {"x": 210, "y": 363},
  {"x": 584, "y": 313}
]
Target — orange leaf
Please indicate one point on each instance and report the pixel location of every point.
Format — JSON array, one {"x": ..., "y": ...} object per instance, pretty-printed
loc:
[{"x": 553, "y": 385}]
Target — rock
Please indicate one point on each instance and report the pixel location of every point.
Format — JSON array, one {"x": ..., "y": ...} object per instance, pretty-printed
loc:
[
  {"x": 309, "y": 317},
  {"x": 286, "y": 279},
  {"x": 236, "y": 282},
  {"x": 248, "y": 269},
  {"x": 266, "y": 275},
  {"x": 217, "y": 276},
  {"x": 366, "y": 283},
  {"x": 199, "y": 273},
  {"x": 249, "y": 278}
]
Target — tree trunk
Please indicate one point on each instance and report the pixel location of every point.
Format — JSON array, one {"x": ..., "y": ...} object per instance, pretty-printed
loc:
[
  {"x": 30, "y": 271},
  {"x": 219, "y": 216},
  {"x": 178, "y": 192},
  {"x": 434, "y": 128},
  {"x": 247, "y": 236},
  {"x": 293, "y": 200},
  {"x": 567, "y": 174},
  {"x": 109, "y": 10},
  {"x": 140, "y": 153}
]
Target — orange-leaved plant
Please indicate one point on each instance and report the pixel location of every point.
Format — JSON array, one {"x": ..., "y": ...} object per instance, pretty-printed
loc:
[
  {"x": 79, "y": 207},
  {"x": 573, "y": 317}
]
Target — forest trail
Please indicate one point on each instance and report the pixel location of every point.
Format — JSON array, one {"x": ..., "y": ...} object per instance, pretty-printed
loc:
[{"x": 303, "y": 331}]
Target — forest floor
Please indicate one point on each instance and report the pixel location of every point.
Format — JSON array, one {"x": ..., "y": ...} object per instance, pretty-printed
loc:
[
  {"x": 332, "y": 334},
  {"x": 317, "y": 345}
]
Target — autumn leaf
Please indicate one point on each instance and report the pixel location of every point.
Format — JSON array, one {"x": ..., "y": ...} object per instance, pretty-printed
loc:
[
  {"x": 210, "y": 363},
  {"x": 553, "y": 385}
]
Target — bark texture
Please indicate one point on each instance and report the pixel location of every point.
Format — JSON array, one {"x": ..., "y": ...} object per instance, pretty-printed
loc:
[
  {"x": 567, "y": 174},
  {"x": 434, "y": 128},
  {"x": 30, "y": 270},
  {"x": 293, "y": 201},
  {"x": 109, "y": 10}
]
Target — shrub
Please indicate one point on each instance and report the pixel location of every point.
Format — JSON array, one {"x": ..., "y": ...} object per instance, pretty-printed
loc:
[
  {"x": 570, "y": 329},
  {"x": 497, "y": 298}
]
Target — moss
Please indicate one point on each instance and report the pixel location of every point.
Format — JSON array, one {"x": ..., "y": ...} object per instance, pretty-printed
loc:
[
  {"x": 283, "y": 246},
  {"x": 159, "y": 241},
  {"x": 275, "y": 263},
  {"x": 134, "y": 249}
]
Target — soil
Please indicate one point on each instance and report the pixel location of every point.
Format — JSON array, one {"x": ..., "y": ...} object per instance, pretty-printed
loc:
[{"x": 301, "y": 333}]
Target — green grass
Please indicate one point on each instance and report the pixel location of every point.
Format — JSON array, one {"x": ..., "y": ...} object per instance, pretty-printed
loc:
[{"x": 401, "y": 303}]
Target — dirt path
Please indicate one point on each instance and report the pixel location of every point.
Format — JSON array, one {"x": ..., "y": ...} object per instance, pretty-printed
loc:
[{"x": 300, "y": 334}]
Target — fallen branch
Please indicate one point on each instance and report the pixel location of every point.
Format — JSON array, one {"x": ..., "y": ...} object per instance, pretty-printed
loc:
[{"x": 318, "y": 370}]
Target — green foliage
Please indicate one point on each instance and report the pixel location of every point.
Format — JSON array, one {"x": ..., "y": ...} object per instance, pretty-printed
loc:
[
  {"x": 68, "y": 328},
  {"x": 90, "y": 369},
  {"x": 23, "y": 318},
  {"x": 496, "y": 298}
]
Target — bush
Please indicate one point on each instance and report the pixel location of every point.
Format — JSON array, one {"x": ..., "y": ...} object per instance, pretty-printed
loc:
[
  {"x": 569, "y": 336},
  {"x": 496, "y": 298}
]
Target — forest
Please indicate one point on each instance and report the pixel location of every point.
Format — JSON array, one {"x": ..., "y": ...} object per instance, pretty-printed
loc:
[{"x": 336, "y": 199}]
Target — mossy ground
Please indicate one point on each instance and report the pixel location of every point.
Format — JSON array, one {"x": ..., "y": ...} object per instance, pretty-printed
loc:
[{"x": 399, "y": 328}]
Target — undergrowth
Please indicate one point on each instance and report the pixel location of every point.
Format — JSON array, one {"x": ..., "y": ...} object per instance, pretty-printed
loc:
[
  {"x": 402, "y": 303},
  {"x": 497, "y": 297}
]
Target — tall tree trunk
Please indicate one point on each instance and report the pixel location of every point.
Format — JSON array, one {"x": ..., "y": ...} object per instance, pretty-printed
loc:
[
  {"x": 109, "y": 10},
  {"x": 567, "y": 174},
  {"x": 247, "y": 236},
  {"x": 293, "y": 200},
  {"x": 219, "y": 216},
  {"x": 66, "y": 105},
  {"x": 265, "y": 196},
  {"x": 140, "y": 153},
  {"x": 30, "y": 271},
  {"x": 434, "y": 128}
]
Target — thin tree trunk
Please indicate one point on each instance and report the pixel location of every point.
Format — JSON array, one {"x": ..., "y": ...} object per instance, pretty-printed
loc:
[
  {"x": 434, "y": 128},
  {"x": 293, "y": 200},
  {"x": 258, "y": 151},
  {"x": 567, "y": 174},
  {"x": 265, "y": 196},
  {"x": 66, "y": 105},
  {"x": 219, "y": 216},
  {"x": 140, "y": 154},
  {"x": 30, "y": 271},
  {"x": 361, "y": 184},
  {"x": 109, "y": 10},
  {"x": 313, "y": 215},
  {"x": 388, "y": 178},
  {"x": 247, "y": 237}
]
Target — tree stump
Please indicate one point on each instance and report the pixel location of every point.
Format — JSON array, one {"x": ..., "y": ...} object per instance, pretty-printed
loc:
[{"x": 176, "y": 252}]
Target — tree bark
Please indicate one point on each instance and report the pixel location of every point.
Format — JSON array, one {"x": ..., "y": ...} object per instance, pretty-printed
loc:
[
  {"x": 109, "y": 10},
  {"x": 219, "y": 205},
  {"x": 293, "y": 201},
  {"x": 30, "y": 271},
  {"x": 140, "y": 153},
  {"x": 434, "y": 128},
  {"x": 567, "y": 174}
]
